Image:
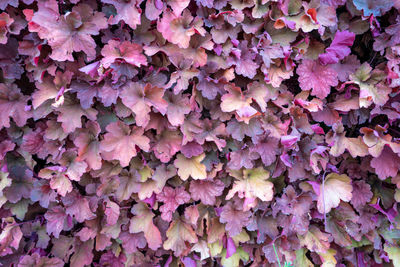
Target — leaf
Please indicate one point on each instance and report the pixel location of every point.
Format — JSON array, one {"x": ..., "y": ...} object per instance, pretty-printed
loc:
[
  {"x": 5, "y": 181},
  {"x": 212, "y": 129},
  {"x": 131, "y": 242},
  {"x": 206, "y": 190},
  {"x": 355, "y": 146},
  {"x": 316, "y": 77},
  {"x": 129, "y": 183},
  {"x": 43, "y": 193},
  {"x": 339, "y": 48},
  {"x": 83, "y": 253},
  {"x": 234, "y": 260},
  {"x": 169, "y": 143},
  {"x": 387, "y": 164},
  {"x": 36, "y": 260},
  {"x": 179, "y": 29},
  {"x": 337, "y": 187},
  {"x": 393, "y": 253},
  {"x": 6, "y": 146},
  {"x": 10, "y": 236},
  {"x": 301, "y": 259},
  {"x": 328, "y": 258},
  {"x": 361, "y": 194},
  {"x": 112, "y": 212},
  {"x": 234, "y": 100},
  {"x": 137, "y": 133},
  {"x": 267, "y": 149},
  {"x": 251, "y": 183},
  {"x": 202, "y": 248},
  {"x": 71, "y": 114},
  {"x": 120, "y": 141},
  {"x": 340, "y": 231},
  {"x": 58, "y": 179},
  {"x": 315, "y": 240},
  {"x": 22, "y": 183},
  {"x": 178, "y": 107},
  {"x": 293, "y": 203},
  {"x": 74, "y": 169},
  {"x": 56, "y": 221},
  {"x": 378, "y": 94},
  {"x": 51, "y": 89},
  {"x": 78, "y": 207},
  {"x": 129, "y": 12},
  {"x": 346, "y": 67},
  {"x": 235, "y": 219},
  {"x": 373, "y": 7},
  {"x": 178, "y": 5},
  {"x": 19, "y": 209},
  {"x": 190, "y": 167},
  {"x": 130, "y": 53},
  {"x": 68, "y": 33},
  {"x": 245, "y": 62},
  {"x": 88, "y": 145},
  {"x": 172, "y": 199},
  {"x": 86, "y": 93},
  {"x": 177, "y": 234},
  {"x": 181, "y": 79},
  {"x": 278, "y": 74},
  {"x": 157, "y": 182},
  {"x": 143, "y": 222},
  {"x": 238, "y": 131},
  {"x": 5, "y": 3},
  {"x": 13, "y": 105},
  {"x": 141, "y": 98},
  {"x": 371, "y": 89}
]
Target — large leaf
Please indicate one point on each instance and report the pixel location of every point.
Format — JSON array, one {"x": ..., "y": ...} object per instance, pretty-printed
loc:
[
  {"x": 336, "y": 188},
  {"x": 178, "y": 234},
  {"x": 143, "y": 222},
  {"x": 120, "y": 141}
]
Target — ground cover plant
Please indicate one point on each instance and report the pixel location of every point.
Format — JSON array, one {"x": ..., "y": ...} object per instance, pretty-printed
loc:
[{"x": 199, "y": 133}]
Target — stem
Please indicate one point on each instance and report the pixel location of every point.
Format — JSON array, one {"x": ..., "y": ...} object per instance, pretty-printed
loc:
[
  {"x": 323, "y": 197},
  {"x": 276, "y": 254}
]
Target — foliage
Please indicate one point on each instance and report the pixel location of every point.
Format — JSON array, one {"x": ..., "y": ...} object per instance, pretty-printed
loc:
[{"x": 199, "y": 133}]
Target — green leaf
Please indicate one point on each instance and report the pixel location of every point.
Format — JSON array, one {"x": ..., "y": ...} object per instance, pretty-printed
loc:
[
  {"x": 233, "y": 261},
  {"x": 394, "y": 254},
  {"x": 301, "y": 259}
]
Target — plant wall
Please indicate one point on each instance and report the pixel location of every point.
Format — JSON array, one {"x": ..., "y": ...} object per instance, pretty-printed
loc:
[{"x": 199, "y": 133}]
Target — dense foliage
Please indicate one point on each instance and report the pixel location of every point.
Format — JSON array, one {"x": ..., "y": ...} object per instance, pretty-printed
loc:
[{"x": 199, "y": 133}]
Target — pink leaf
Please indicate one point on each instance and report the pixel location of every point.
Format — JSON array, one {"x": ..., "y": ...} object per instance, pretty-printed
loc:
[
  {"x": 10, "y": 237},
  {"x": 112, "y": 212},
  {"x": 206, "y": 190},
  {"x": 172, "y": 198},
  {"x": 361, "y": 194},
  {"x": 120, "y": 141},
  {"x": 36, "y": 260},
  {"x": 68, "y": 33},
  {"x": 78, "y": 207},
  {"x": 129, "y": 12},
  {"x": 83, "y": 254},
  {"x": 339, "y": 48},
  {"x": 140, "y": 98},
  {"x": 12, "y": 105},
  {"x": 143, "y": 222},
  {"x": 387, "y": 164},
  {"x": 316, "y": 77},
  {"x": 179, "y": 29},
  {"x": 235, "y": 219},
  {"x": 57, "y": 220},
  {"x": 267, "y": 149},
  {"x": 129, "y": 52}
]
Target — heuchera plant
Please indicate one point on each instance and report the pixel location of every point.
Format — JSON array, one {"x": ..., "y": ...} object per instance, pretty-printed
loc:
[{"x": 199, "y": 133}]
